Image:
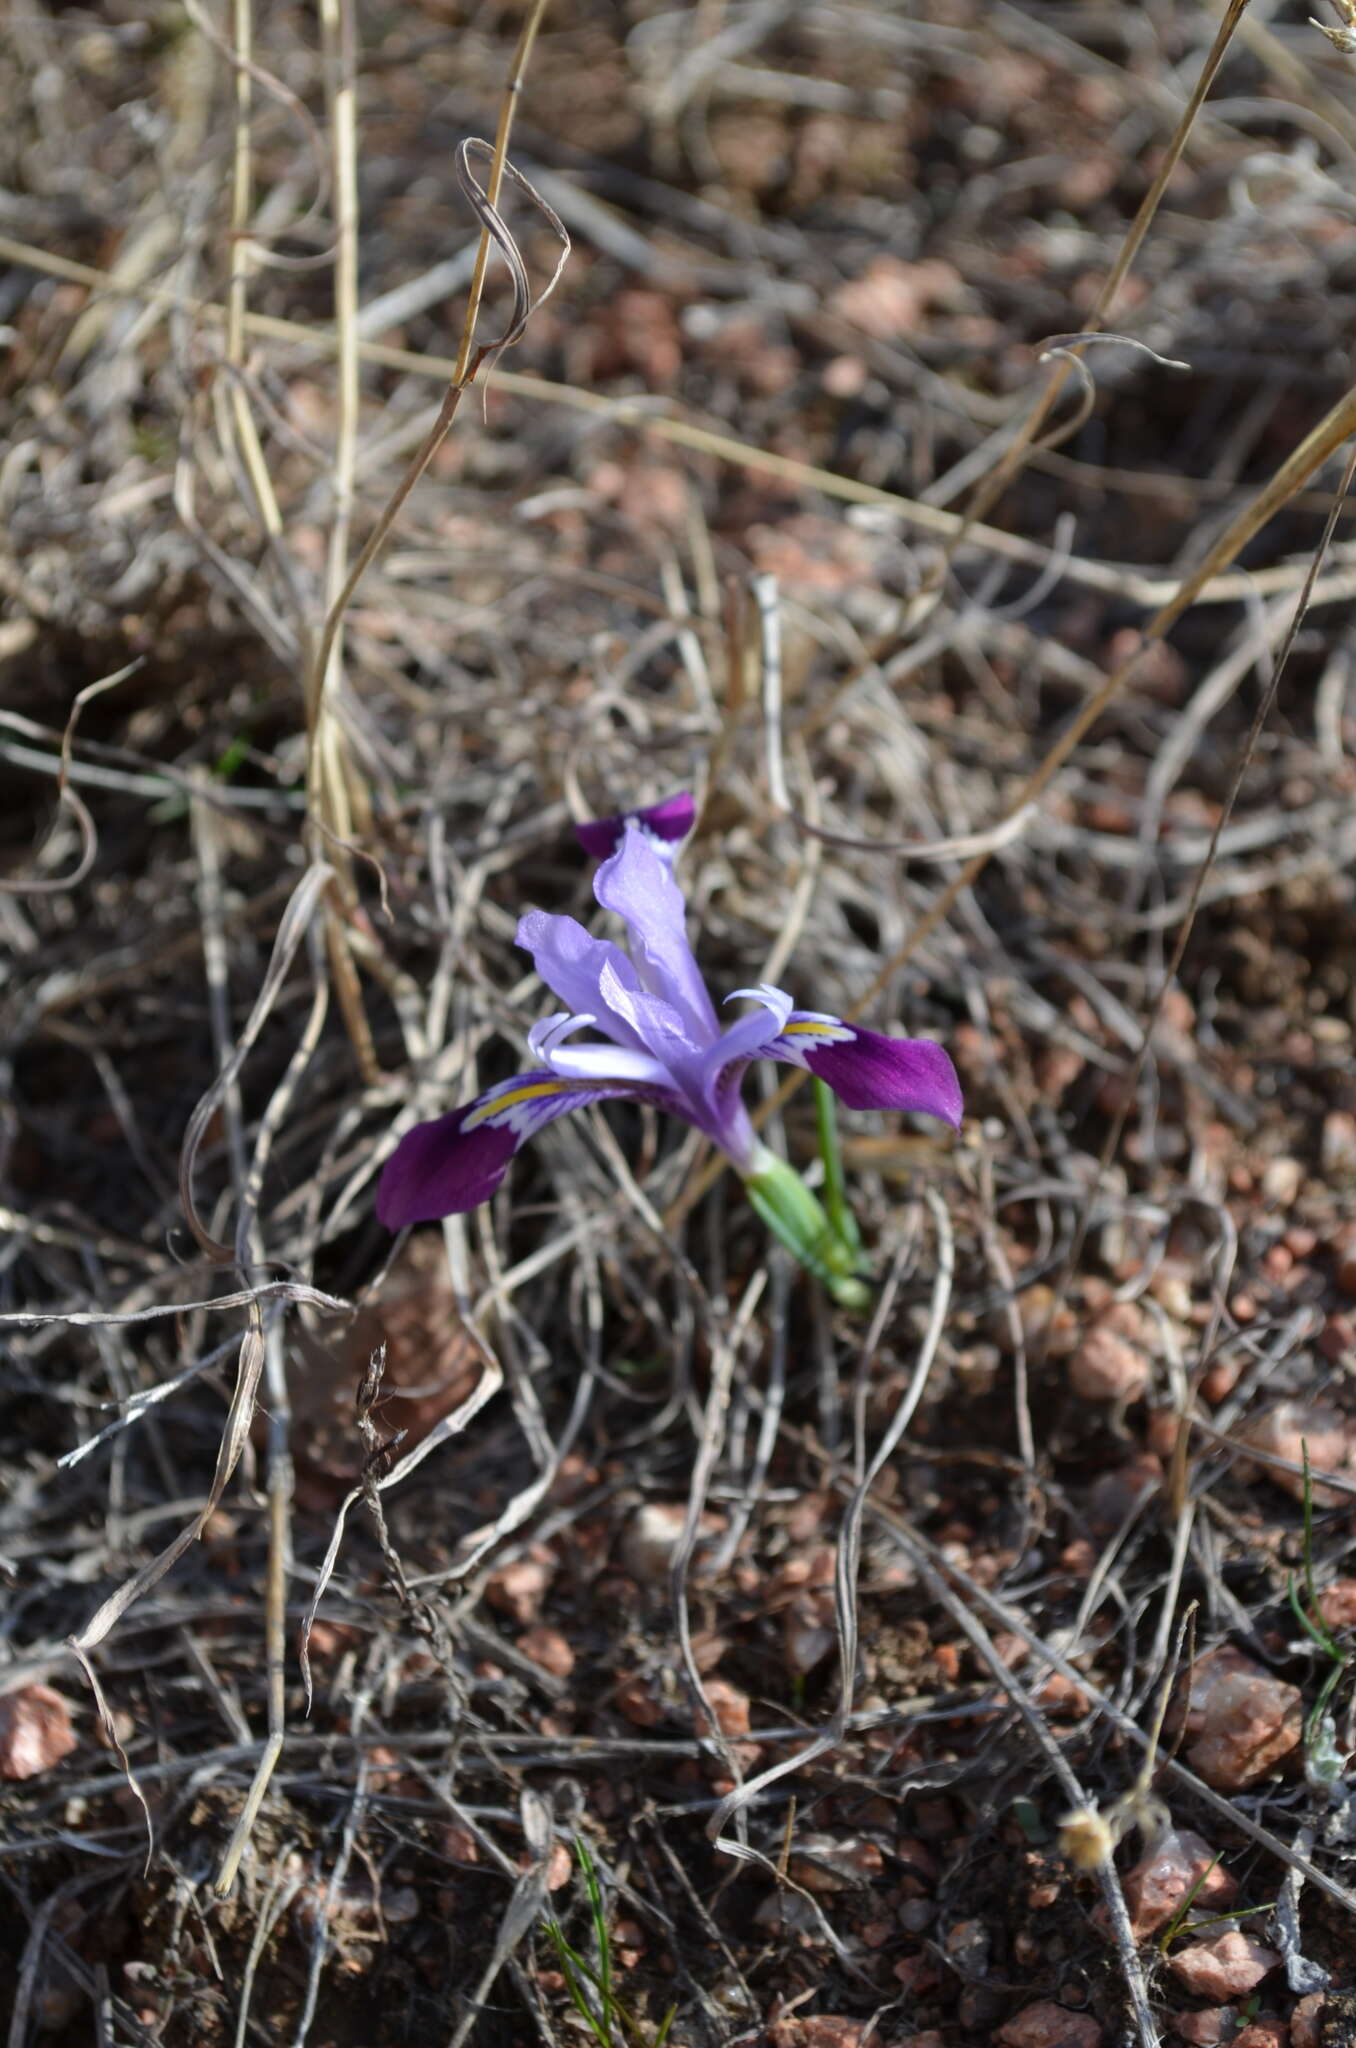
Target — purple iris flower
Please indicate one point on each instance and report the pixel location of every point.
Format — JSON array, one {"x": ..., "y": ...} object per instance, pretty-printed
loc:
[{"x": 657, "y": 1038}]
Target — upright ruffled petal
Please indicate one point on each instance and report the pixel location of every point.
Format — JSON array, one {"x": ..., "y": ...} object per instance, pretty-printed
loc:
[
  {"x": 659, "y": 1025},
  {"x": 573, "y": 964},
  {"x": 637, "y": 884},
  {"x": 456, "y": 1162},
  {"x": 748, "y": 1038},
  {"x": 666, "y": 823},
  {"x": 868, "y": 1070}
]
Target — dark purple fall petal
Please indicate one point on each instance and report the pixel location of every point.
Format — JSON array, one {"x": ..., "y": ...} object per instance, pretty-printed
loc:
[
  {"x": 871, "y": 1071},
  {"x": 671, "y": 821},
  {"x": 438, "y": 1169},
  {"x": 443, "y": 1168}
]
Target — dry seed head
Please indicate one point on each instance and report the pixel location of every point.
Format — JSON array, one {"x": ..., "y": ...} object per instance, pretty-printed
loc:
[{"x": 1087, "y": 1839}]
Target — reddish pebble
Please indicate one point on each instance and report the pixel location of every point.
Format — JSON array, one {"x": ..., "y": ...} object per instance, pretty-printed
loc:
[
  {"x": 35, "y": 1731},
  {"x": 1205, "y": 2029},
  {"x": 1240, "y": 1720},
  {"x": 1220, "y": 1381},
  {"x": 634, "y": 1700},
  {"x": 815, "y": 2030},
  {"x": 548, "y": 1647},
  {"x": 1290, "y": 1430},
  {"x": 946, "y": 1656},
  {"x": 1267, "y": 2033},
  {"x": 1278, "y": 1262},
  {"x": 1159, "y": 1882},
  {"x": 518, "y": 1589},
  {"x": 728, "y": 1705},
  {"x": 1059, "y": 1695},
  {"x": 1047, "y": 2025},
  {"x": 1227, "y": 1966},
  {"x": 1111, "y": 1363},
  {"x": 1306, "y": 2021},
  {"x": 1337, "y": 1338},
  {"x": 917, "y": 1974},
  {"x": 1338, "y": 1145},
  {"x": 1337, "y": 1603}
]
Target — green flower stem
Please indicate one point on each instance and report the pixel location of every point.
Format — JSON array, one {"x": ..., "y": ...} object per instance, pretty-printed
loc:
[
  {"x": 797, "y": 1219},
  {"x": 841, "y": 1219}
]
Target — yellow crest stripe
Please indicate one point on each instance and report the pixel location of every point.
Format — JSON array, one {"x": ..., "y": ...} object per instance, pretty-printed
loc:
[{"x": 510, "y": 1099}]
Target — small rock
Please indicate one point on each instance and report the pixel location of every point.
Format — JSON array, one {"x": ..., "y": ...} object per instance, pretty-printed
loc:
[
  {"x": 810, "y": 1518},
  {"x": 789, "y": 1913},
  {"x": 1111, "y": 1362},
  {"x": 1205, "y": 2029},
  {"x": 548, "y": 1647},
  {"x": 1286, "y": 1431},
  {"x": 1240, "y": 1720},
  {"x": 1047, "y": 2025},
  {"x": 650, "y": 1540},
  {"x": 729, "y": 1706},
  {"x": 918, "y": 1975},
  {"x": 1330, "y": 2018},
  {"x": 916, "y": 1857},
  {"x": 807, "y": 1634},
  {"x": 1059, "y": 1696},
  {"x": 1040, "y": 1335},
  {"x": 968, "y": 1947},
  {"x": 1112, "y": 1497},
  {"x": 891, "y": 297},
  {"x": 1159, "y": 1882},
  {"x": 1263, "y": 2033},
  {"x": 815, "y": 2030},
  {"x": 35, "y": 1731},
  {"x": 1282, "y": 1180},
  {"x": 1337, "y": 1338},
  {"x": 977, "y": 2009},
  {"x": 1220, "y": 1379},
  {"x": 1228, "y": 1966},
  {"x": 636, "y": 1702},
  {"x": 1306, "y": 2021},
  {"x": 831, "y": 1863},
  {"x": 1337, "y": 1603},
  {"x": 1338, "y": 1146},
  {"x": 518, "y": 1589}
]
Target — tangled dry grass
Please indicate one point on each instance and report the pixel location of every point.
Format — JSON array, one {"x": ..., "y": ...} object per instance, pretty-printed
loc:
[{"x": 575, "y": 1564}]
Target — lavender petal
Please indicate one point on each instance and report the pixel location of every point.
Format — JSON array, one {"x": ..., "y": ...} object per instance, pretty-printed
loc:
[
  {"x": 573, "y": 963},
  {"x": 637, "y": 884}
]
